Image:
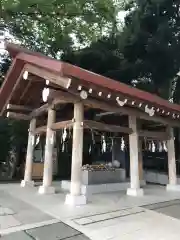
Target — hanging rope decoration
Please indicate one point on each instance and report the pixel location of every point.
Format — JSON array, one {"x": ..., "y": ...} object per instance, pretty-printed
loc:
[
  {"x": 37, "y": 140},
  {"x": 164, "y": 146},
  {"x": 63, "y": 139},
  {"x": 90, "y": 149},
  {"x": 122, "y": 144},
  {"x": 103, "y": 144},
  {"x": 153, "y": 146}
]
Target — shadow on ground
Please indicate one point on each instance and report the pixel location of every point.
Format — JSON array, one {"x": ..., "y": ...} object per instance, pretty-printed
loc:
[{"x": 169, "y": 208}]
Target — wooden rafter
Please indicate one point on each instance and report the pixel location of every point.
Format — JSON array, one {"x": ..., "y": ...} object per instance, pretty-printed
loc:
[
  {"x": 53, "y": 77},
  {"x": 18, "y": 116},
  {"x": 25, "y": 91}
]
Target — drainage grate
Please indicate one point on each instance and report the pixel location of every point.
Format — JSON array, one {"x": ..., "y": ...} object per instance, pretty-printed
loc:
[{"x": 91, "y": 219}]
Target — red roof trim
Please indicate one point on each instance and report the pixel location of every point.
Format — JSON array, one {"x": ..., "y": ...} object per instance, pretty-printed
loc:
[
  {"x": 73, "y": 71},
  {"x": 113, "y": 85}
]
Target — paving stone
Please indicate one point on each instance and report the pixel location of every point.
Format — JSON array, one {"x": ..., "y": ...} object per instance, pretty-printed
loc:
[
  {"x": 173, "y": 211},
  {"x": 83, "y": 221},
  {"x": 21, "y": 211},
  {"x": 56, "y": 231},
  {"x": 31, "y": 216},
  {"x": 8, "y": 221},
  {"x": 16, "y": 236},
  {"x": 78, "y": 237}
]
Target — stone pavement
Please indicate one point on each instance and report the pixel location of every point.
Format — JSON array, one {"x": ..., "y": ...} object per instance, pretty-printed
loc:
[
  {"x": 15, "y": 212},
  {"x": 21, "y": 221},
  {"x": 110, "y": 216},
  {"x": 56, "y": 231}
]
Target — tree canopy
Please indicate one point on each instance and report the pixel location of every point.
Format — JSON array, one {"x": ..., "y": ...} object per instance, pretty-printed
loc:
[
  {"x": 145, "y": 53},
  {"x": 55, "y": 26}
]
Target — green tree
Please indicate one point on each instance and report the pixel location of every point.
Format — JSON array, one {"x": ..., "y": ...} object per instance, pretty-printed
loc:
[
  {"x": 150, "y": 44},
  {"x": 54, "y": 26}
]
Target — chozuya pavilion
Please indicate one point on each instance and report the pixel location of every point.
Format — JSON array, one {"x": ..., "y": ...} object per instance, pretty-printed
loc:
[{"x": 38, "y": 87}]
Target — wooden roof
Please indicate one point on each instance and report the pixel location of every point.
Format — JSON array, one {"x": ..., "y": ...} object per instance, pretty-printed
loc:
[{"x": 16, "y": 90}]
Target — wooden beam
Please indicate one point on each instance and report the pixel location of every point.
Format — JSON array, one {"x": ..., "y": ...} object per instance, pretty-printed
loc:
[
  {"x": 153, "y": 135},
  {"x": 93, "y": 103},
  {"x": 25, "y": 91},
  {"x": 39, "y": 111},
  {"x": 18, "y": 116},
  {"x": 106, "y": 127},
  {"x": 99, "y": 115},
  {"x": 14, "y": 87},
  {"x": 87, "y": 124},
  {"x": 103, "y": 127},
  {"x": 12, "y": 107},
  {"x": 53, "y": 77},
  {"x": 63, "y": 124},
  {"x": 127, "y": 111},
  {"x": 58, "y": 101},
  {"x": 55, "y": 126},
  {"x": 40, "y": 130},
  {"x": 44, "y": 108}
]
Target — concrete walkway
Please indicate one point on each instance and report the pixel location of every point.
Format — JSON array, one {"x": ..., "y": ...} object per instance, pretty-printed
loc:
[
  {"x": 110, "y": 216},
  {"x": 21, "y": 221}
]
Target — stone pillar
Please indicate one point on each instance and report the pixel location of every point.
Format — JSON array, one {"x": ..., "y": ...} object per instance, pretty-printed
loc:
[
  {"x": 172, "y": 186},
  {"x": 46, "y": 187},
  {"x": 29, "y": 156},
  {"x": 75, "y": 197},
  {"x": 134, "y": 189}
]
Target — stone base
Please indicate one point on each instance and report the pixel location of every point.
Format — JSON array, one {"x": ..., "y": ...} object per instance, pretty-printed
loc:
[
  {"x": 88, "y": 190},
  {"x": 135, "y": 192},
  {"x": 46, "y": 190},
  {"x": 75, "y": 200},
  {"x": 25, "y": 183},
  {"x": 171, "y": 187}
]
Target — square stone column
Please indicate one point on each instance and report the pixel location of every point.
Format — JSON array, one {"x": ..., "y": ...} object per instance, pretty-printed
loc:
[
  {"x": 172, "y": 186},
  {"x": 75, "y": 197},
  {"x": 47, "y": 187},
  {"x": 29, "y": 156},
  {"x": 134, "y": 189}
]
